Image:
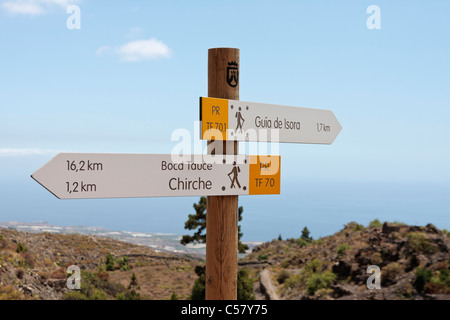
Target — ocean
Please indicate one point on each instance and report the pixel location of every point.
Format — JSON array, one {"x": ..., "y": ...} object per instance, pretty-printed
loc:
[{"x": 323, "y": 206}]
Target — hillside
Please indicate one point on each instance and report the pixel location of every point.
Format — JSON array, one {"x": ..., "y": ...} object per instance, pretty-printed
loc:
[
  {"x": 33, "y": 266},
  {"x": 414, "y": 263}
]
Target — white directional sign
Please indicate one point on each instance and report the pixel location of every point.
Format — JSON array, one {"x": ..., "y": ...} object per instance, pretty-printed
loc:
[
  {"x": 223, "y": 119},
  {"x": 97, "y": 175}
]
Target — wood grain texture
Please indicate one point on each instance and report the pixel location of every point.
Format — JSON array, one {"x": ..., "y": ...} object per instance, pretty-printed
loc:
[{"x": 222, "y": 212}]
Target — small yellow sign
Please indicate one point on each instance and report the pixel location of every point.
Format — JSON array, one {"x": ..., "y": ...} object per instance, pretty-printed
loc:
[
  {"x": 214, "y": 118},
  {"x": 265, "y": 175}
]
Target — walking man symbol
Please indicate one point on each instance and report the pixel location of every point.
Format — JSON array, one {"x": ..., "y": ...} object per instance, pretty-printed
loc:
[
  {"x": 240, "y": 120},
  {"x": 235, "y": 172}
]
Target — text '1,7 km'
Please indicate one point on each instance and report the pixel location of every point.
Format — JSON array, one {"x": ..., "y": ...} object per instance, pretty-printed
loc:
[
  {"x": 97, "y": 175},
  {"x": 223, "y": 119}
]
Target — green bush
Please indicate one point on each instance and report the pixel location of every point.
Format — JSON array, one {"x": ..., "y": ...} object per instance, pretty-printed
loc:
[
  {"x": 244, "y": 286},
  {"x": 444, "y": 276},
  {"x": 305, "y": 235},
  {"x": 110, "y": 262},
  {"x": 391, "y": 272},
  {"x": 422, "y": 277},
  {"x": 342, "y": 248},
  {"x": 124, "y": 264},
  {"x": 302, "y": 242},
  {"x": 98, "y": 295},
  {"x": 418, "y": 243},
  {"x": 94, "y": 287},
  {"x": 262, "y": 257},
  {"x": 3, "y": 242},
  {"x": 319, "y": 281},
  {"x": 198, "y": 290},
  {"x": 174, "y": 296},
  {"x": 397, "y": 224},
  {"x": 312, "y": 278},
  {"x": 20, "y": 248},
  {"x": 282, "y": 276},
  {"x": 132, "y": 295},
  {"x": 294, "y": 281},
  {"x": 446, "y": 232},
  {"x": 74, "y": 295},
  {"x": 375, "y": 224},
  {"x": 439, "y": 283},
  {"x": 314, "y": 266},
  {"x": 319, "y": 241},
  {"x": 353, "y": 226}
]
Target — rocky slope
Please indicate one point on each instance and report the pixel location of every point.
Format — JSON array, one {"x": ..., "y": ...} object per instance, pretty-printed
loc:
[
  {"x": 414, "y": 263},
  {"x": 33, "y": 266}
]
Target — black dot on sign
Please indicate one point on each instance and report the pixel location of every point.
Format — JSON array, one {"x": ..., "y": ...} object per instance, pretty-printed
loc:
[
  {"x": 239, "y": 108},
  {"x": 245, "y": 161},
  {"x": 246, "y": 107},
  {"x": 231, "y": 106},
  {"x": 224, "y": 161},
  {"x": 245, "y": 188},
  {"x": 234, "y": 163},
  {"x": 223, "y": 188}
]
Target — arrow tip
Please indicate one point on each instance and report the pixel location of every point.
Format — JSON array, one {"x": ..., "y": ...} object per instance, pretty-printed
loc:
[{"x": 44, "y": 186}]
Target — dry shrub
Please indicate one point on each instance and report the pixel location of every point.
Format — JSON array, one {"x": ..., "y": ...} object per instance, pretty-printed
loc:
[
  {"x": 28, "y": 259},
  {"x": 436, "y": 288},
  {"x": 103, "y": 275},
  {"x": 9, "y": 293},
  {"x": 20, "y": 273},
  {"x": 59, "y": 274},
  {"x": 391, "y": 272},
  {"x": 43, "y": 275}
]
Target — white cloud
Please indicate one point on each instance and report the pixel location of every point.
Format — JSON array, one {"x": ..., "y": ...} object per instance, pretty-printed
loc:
[
  {"x": 7, "y": 152},
  {"x": 34, "y": 7},
  {"x": 22, "y": 7},
  {"x": 138, "y": 50},
  {"x": 103, "y": 50}
]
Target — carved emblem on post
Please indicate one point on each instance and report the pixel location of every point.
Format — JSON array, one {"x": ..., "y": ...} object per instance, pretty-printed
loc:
[{"x": 232, "y": 74}]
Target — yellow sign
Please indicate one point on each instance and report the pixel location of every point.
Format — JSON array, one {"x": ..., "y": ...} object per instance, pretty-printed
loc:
[
  {"x": 214, "y": 118},
  {"x": 264, "y": 177}
]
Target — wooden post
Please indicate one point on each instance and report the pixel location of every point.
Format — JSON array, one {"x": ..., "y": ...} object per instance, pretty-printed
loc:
[{"x": 222, "y": 211}]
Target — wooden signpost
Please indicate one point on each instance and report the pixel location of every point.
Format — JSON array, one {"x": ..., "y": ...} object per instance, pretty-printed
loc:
[
  {"x": 222, "y": 174},
  {"x": 222, "y": 211}
]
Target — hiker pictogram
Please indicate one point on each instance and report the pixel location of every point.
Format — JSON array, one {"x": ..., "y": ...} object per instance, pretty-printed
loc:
[
  {"x": 234, "y": 173},
  {"x": 240, "y": 120}
]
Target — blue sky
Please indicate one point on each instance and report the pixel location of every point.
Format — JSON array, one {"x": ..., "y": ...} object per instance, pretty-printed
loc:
[{"x": 77, "y": 90}]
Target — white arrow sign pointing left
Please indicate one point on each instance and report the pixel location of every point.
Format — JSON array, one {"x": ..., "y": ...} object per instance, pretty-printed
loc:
[{"x": 96, "y": 175}]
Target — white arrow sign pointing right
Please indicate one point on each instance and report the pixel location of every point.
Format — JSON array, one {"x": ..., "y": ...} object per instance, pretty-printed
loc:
[{"x": 224, "y": 119}]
